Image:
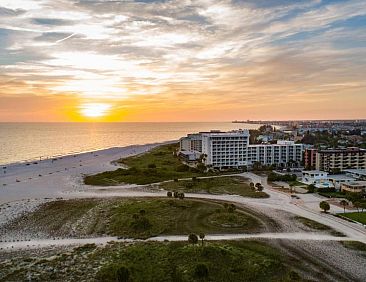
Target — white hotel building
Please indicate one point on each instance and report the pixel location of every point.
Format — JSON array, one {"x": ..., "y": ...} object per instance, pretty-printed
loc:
[{"x": 232, "y": 149}]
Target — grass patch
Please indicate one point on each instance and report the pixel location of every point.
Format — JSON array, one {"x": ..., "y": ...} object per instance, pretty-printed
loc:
[
  {"x": 229, "y": 261},
  {"x": 217, "y": 185},
  {"x": 318, "y": 226},
  {"x": 158, "y": 261},
  {"x": 159, "y": 164},
  {"x": 135, "y": 218},
  {"x": 354, "y": 245},
  {"x": 356, "y": 216},
  {"x": 332, "y": 194},
  {"x": 147, "y": 218}
]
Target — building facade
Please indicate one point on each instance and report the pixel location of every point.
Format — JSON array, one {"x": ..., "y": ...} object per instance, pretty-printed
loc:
[
  {"x": 354, "y": 187},
  {"x": 340, "y": 159},
  {"x": 232, "y": 149},
  {"x": 284, "y": 153},
  {"x": 310, "y": 158}
]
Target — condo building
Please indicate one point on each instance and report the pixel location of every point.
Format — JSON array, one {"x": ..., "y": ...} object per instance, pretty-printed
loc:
[
  {"x": 232, "y": 149},
  {"x": 340, "y": 159},
  {"x": 284, "y": 153}
]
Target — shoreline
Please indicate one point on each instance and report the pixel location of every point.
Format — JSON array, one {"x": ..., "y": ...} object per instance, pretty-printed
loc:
[
  {"x": 75, "y": 153},
  {"x": 61, "y": 177}
]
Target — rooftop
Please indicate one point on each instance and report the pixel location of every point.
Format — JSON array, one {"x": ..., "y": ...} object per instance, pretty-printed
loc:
[{"x": 356, "y": 171}]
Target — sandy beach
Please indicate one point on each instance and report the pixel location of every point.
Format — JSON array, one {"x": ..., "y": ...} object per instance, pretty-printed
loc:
[{"x": 58, "y": 177}]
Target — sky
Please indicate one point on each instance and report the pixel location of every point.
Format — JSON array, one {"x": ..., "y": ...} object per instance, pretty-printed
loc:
[{"x": 181, "y": 60}]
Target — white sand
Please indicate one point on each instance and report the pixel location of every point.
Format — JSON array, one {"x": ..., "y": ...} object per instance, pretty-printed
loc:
[{"x": 24, "y": 186}]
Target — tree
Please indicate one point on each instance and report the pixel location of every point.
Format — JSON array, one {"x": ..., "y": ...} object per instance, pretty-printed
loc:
[
  {"x": 192, "y": 238},
  {"x": 201, "y": 271},
  {"x": 257, "y": 185},
  {"x": 169, "y": 194},
  {"x": 344, "y": 203},
  {"x": 176, "y": 194},
  {"x": 181, "y": 196},
  {"x": 251, "y": 184},
  {"x": 201, "y": 167},
  {"x": 231, "y": 208},
  {"x": 260, "y": 188},
  {"x": 122, "y": 274},
  {"x": 311, "y": 188},
  {"x": 357, "y": 205},
  {"x": 202, "y": 237},
  {"x": 324, "y": 206}
]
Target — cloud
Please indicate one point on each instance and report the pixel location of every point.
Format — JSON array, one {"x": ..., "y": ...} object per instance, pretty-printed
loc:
[{"x": 203, "y": 53}]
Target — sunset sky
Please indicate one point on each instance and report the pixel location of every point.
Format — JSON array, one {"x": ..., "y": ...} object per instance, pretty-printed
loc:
[{"x": 103, "y": 60}]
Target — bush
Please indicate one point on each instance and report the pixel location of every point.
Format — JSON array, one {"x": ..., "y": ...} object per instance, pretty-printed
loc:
[
  {"x": 169, "y": 194},
  {"x": 201, "y": 271},
  {"x": 278, "y": 177},
  {"x": 122, "y": 274},
  {"x": 151, "y": 166},
  {"x": 193, "y": 238},
  {"x": 311, "y": 188},
  {"x": 182, "y": 168}
]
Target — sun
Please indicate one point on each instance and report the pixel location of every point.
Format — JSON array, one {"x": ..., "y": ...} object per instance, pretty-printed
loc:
[{"x": 94, "y": 110}]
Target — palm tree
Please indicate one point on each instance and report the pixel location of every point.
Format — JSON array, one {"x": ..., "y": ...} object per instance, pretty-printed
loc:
[
  {"x": 202, "y": 237},
  {"x": 344, "y": 203}
]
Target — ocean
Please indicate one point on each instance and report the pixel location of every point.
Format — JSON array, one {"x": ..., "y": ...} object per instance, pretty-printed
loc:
[{"x": 30, "y": 141}]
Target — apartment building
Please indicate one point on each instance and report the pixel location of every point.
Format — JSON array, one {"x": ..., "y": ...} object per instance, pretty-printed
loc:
[
  {"x": 225, "y": 149},
  {"x": 232, "y": 149},
  {"x": 193, "y": 142},
  {"x": 340, "y": 159},
  {"x": 310, "y": 158},
  {"x": 284, "y": 153}
]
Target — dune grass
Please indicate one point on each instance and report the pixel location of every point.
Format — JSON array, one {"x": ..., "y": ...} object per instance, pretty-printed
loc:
[
  {"x": 159, "y": 164},
  {"x": 148, "y": 218},
  {"x": 217, "y": 185},
  {"x": 178, "y": 261},
  {"x": 318, "y": 226},
  {"x": 155, "y": 261},
  {"x": 135, "y": 218}
]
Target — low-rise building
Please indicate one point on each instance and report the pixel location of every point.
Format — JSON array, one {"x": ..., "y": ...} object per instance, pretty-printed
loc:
[
  {"x": 354, "y": 187},
  {"x": 317, "y": 178},
  {"x": 339, "y": 179},
  {"x": 356, "y": 173}
]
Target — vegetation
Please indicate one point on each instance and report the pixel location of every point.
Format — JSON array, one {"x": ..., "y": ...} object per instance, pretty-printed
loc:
[
  {"x": 217, "y": 185},
  {"x": 160, "y": 164},
  {"x": 177, "y": 261},
  {"x": 354, "y": 245},
  {"x": 135, "y": 218},
  {"x": 324, "y": 206},
  {"x": 278, "y": 177},
  {"x": 173, "y": 217},
  {"x": 356, "y": 216},
  {"x": 318, "y": 226},
  {"x": 344, "y": 203}
]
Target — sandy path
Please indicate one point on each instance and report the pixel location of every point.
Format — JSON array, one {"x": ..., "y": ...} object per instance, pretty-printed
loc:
[{"x": 172, "y": 238}]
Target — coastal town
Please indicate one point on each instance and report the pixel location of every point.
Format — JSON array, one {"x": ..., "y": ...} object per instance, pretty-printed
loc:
[{"x": 312, "y": 192}]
